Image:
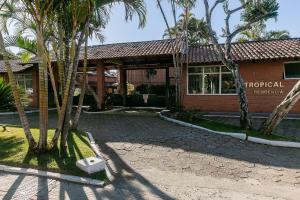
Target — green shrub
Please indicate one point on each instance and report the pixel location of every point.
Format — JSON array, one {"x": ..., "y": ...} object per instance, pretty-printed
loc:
[
  {"x": 135, "y": 100},
  {"x": 151, "y": 89},
  {"x": 117, "y": 99},
  {"x": 6, "y": 97}
]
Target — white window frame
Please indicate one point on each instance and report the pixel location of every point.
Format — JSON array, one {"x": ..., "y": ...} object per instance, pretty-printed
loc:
[
  {"x": 220, "y": 81},
  {"x": 284, "y": 76},
  {"x": 24, "y": 79}
]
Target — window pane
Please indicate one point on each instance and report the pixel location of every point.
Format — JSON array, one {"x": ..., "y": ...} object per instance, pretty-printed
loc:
[
  {"x": 228, "y": 86},
  {"x": 195, "y": 69},
  {"x": 211, "y": 83},
  {"x": 225, "y": 69},
  {"x": 211, "y": 69},
  {"x": 195, "y": 84},
  {"x": 28, "y": 76},
  {"x": 28, "y": 84},
  {"x": 21, "y": 83},
  {"x": 292, "y": 70}
]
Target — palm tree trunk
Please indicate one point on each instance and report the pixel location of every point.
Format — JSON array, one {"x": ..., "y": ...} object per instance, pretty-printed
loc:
[
  {"x": 282, "y": 110},
  {"x": 66, "y": 125},
  {"x": 18, "y": 103},
  {"x": 52, "y": 79},
  {"x": 65, "y": 97},
  {"x": 43, "y": 91},
  {"x": 82, "y": 88},
  {"x": 94, "y": 94}
]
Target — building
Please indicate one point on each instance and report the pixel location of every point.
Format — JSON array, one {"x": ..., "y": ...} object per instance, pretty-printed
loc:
[
  {"x": 269, "y": 68},
  {"x": 26, "y": 76}
]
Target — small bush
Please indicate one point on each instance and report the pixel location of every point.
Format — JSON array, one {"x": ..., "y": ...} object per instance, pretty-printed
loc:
[
  {"x": 151, "y": 89},
  {"x": 117, "y": 99},
  {"x": 6, "y": 97}
]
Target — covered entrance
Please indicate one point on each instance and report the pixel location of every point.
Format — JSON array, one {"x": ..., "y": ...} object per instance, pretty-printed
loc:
[{"x": 127, "y": 58}]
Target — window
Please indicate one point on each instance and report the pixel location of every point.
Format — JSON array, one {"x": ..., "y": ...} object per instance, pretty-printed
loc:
[
  {"x": 292, "y": 70},
  {"x": 210, "y": 80},
  {"x": 25, "y": 81}
]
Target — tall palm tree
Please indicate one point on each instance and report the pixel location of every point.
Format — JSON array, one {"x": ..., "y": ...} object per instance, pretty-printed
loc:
[
  {"x": 16, "y": 95},
  {"x": 99, "y": 14},
  {"x": 277, "y": 35},
  {"x": 66, "y": 21},
  {"x": 197, "y": 32},
  {"x": 28, "y": 47},
  {"x": 258, "y": 32}
]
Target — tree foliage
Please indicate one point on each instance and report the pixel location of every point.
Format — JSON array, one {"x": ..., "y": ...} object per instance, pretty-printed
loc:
[
  {"x": 60, "y": 27},
  {"x": 258, "y": 32},
  {"x": 197, "y": 31},
  {"x": 6, "y": 96}
]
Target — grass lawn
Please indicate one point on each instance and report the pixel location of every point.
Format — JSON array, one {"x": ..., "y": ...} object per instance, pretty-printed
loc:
[
  {"x": 217, "y": 126},
  {"x": 14, "y": 152}
]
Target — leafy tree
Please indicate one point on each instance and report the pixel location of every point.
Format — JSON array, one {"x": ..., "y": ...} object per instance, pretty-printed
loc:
[
  {"x": 197, "y": 31},
  {"x": 252, "y": 12}
]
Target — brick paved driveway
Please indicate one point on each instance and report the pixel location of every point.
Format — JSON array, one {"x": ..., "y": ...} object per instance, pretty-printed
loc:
[{"x": 155, "y": 159}]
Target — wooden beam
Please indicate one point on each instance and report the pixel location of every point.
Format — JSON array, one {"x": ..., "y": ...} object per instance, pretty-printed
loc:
[
  {"x": 167, "y": 87},
  {"x": 100, "y": 84}
]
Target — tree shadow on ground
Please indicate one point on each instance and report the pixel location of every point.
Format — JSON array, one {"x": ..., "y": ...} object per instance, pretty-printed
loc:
[
  {"x": 10, "y": 146},
  {"x": 125, "y": 178},
  {"x": 147, "y": 130},
  {"x": 65, "y": 163}
]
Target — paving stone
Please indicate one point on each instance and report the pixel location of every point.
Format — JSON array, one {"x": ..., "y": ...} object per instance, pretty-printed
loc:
[{"x": 134, "y": 143}]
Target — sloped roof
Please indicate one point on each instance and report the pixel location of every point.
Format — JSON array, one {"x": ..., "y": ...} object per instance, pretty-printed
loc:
[
  {"x": 198, "y": 54},
  {"x": 130, "y": 49},
  {"x": 248, "y": 51},
  {"x": 16, "y": 65}
]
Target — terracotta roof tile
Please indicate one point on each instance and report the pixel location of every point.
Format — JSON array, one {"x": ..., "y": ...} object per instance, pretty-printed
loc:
[
  {"x": 248, "y": 51},
  {"x": 201, "y": 54},
  {"x": 16, "y": 65},
  {"x": 132, "y": 49}
]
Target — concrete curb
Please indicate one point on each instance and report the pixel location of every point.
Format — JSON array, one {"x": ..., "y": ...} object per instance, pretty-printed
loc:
[
  {"x": 149, "y": 108},
  {"x": 254, "y": 117},
  {"x": 103, "y": 112},
  {"x": 275, "y": 143},
  {"x": 27, "y": 112},
  {"x": 123, "y": 108},
  {"x": 58, "y": 176},
  {"x": 241, "y": 136},
  {"x": 96, "y": 150}
]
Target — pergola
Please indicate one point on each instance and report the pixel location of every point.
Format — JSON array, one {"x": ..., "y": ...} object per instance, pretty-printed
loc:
[
  {"x": 129, "y": 63},
  {"x": 130, "y": 56}
]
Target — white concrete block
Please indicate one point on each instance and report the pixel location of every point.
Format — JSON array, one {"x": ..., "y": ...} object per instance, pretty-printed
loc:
[{"x": 91, "y": 164}]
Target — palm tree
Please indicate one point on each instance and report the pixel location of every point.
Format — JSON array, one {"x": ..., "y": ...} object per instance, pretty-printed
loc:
[
  {"x": 28, "y": 46},
  {"x": 92, "y": 15},
  {"x": 258, "y": 32},
  {"x": 20, "y": 13},
  {"x": 197, "y": 31},
  {"x": 61, "y": 25},
  {"x": 277, "y": 35},
  {"x": 16, "y": 95}
]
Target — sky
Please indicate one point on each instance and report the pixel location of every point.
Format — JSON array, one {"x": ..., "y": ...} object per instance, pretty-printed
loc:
[{"x": 118, "y": 30}]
